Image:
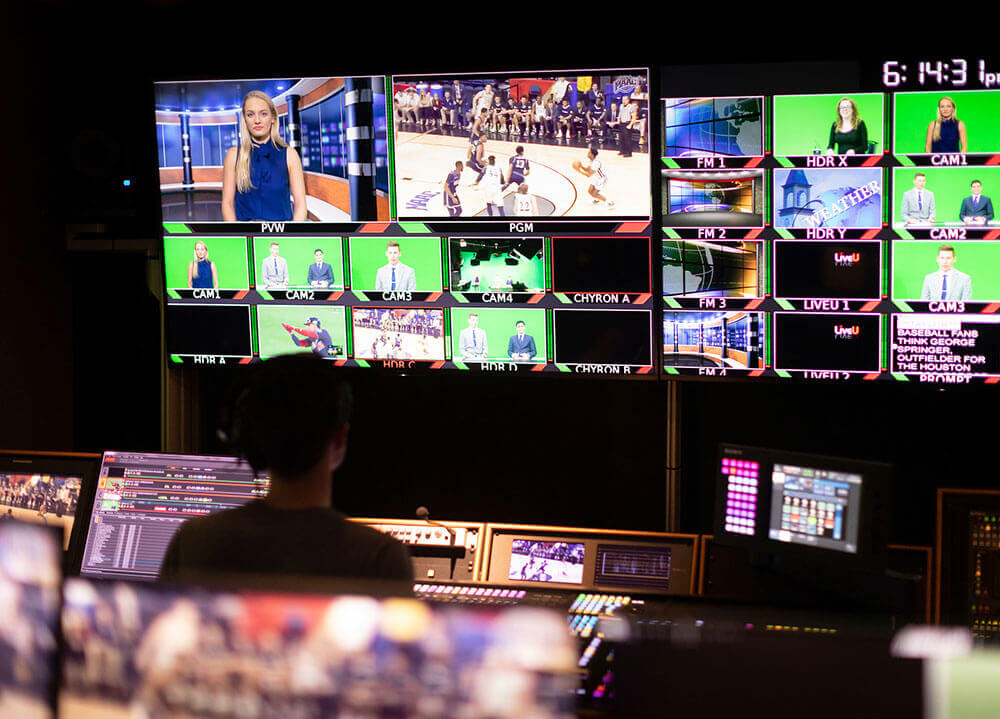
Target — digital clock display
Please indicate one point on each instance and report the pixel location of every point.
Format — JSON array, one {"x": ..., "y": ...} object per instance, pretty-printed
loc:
[{"x": 954, "y": 72}]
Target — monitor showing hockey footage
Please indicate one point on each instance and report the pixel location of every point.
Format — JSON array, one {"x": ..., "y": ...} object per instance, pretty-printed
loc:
[
  {"x": 492, "y": 223},
  {"x": 839, "y": 227}
]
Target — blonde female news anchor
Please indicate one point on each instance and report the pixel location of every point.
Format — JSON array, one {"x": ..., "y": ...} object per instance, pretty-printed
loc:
[
  {"x": 946, "y": 133},
  {"x": 260, "y": 174},
  {"x": 202, "y": 272}
]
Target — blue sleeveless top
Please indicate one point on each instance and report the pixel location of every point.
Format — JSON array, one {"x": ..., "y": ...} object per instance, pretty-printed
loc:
[
  {"x": 949, "y": 137},
  {"x": 203, "y": 275},
  {"x": 269, "y": 175}
]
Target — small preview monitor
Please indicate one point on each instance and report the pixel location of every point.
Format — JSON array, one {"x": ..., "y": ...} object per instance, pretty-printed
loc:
[
  {"x": 533, "y": 561},
  {"x": 715, "y": 198},
  {"x": 142, "y": 499},
  {"x": 817, "y": 507},
  {"x": 49, "y": 489},
  {"x": 781, "y": 502},
  {"x": 713, "y": 127}
]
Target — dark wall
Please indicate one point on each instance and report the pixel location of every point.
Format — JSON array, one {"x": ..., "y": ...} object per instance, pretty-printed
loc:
[{"x": 565, "y": 452}]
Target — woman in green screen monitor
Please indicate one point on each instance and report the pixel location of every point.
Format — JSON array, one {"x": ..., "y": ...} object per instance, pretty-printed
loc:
[{"x": 946, "y": 133}]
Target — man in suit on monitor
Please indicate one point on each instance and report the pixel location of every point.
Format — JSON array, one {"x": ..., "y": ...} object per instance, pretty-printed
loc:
[
  {"x": 918, "y": 203},
  {"x": 521, "y": 347},
  {"x": 274, "y": 269},
  {"x": 395, "y": 276},
  {"x": 977, "y": 208},
  {"x": 947, "y": 283},
  {"x": 472, "y": 341},
  {"x": 320, "y": 272}
]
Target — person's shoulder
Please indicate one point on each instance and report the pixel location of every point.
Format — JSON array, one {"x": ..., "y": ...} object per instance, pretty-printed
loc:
[
  {"x": 231, "y": 154},
  {"x": 220, "y": 520}
]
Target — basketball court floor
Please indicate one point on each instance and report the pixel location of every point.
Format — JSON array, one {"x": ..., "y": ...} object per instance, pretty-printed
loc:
[{"x": 424, "y": 159}]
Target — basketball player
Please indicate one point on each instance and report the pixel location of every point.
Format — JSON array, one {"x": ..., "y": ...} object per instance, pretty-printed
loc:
[
  {"x": 563, "y": 116},
  {"x": 597, "y": 118},
  {"x": 492, "y": 182},
  {"x": 519, "y": 168},
  {"x": 536, "y": 122},
  {"x": 451, "y": 200},
  {"x": 578, "y": 120},
  {"x": 483, "y": 98},
  {"x": 497, "y": 112},
  {"x": 476, "y": 153},
  {"x": 525, "y": 205},
  {"x": 510, "y": 115},
  {"x": 523, "y": 116},
  {"x": 594, "y": 169}
]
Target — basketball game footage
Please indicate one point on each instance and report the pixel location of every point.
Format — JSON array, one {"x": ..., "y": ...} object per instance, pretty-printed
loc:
[
  {"x": 534, "y": 145},
  {"x": 508, "y": 222}
]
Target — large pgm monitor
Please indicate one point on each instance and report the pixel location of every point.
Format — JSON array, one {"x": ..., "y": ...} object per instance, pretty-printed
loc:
[
  {"x": 143, "y": 498},
  {"x": 790, "y": 503}
]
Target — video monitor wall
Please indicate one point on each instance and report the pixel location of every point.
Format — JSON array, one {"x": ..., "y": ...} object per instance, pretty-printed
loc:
[
  {"x": 504, "y": 222},
  {"x": 494, "y": 222},
  {"x": 838, "y": 232}
]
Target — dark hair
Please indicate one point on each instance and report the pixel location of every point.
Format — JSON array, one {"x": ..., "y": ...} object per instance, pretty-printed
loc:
[
  {"x": 283, "y": 412},
  {"x": 974, "y": 182},
  {"x": 946, "y": 248}
]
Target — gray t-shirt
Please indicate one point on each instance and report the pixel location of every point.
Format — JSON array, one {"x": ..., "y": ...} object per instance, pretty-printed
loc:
[{"x": 259, "y": 539}]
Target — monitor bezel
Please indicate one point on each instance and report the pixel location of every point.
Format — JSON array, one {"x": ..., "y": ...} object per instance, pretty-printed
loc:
[
  {"x": 873, "y": 517},
  {"x": 82, "y": 464}
]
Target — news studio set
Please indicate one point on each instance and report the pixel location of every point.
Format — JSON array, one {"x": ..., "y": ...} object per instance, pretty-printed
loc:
[{"x": 699, "y": 324}]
